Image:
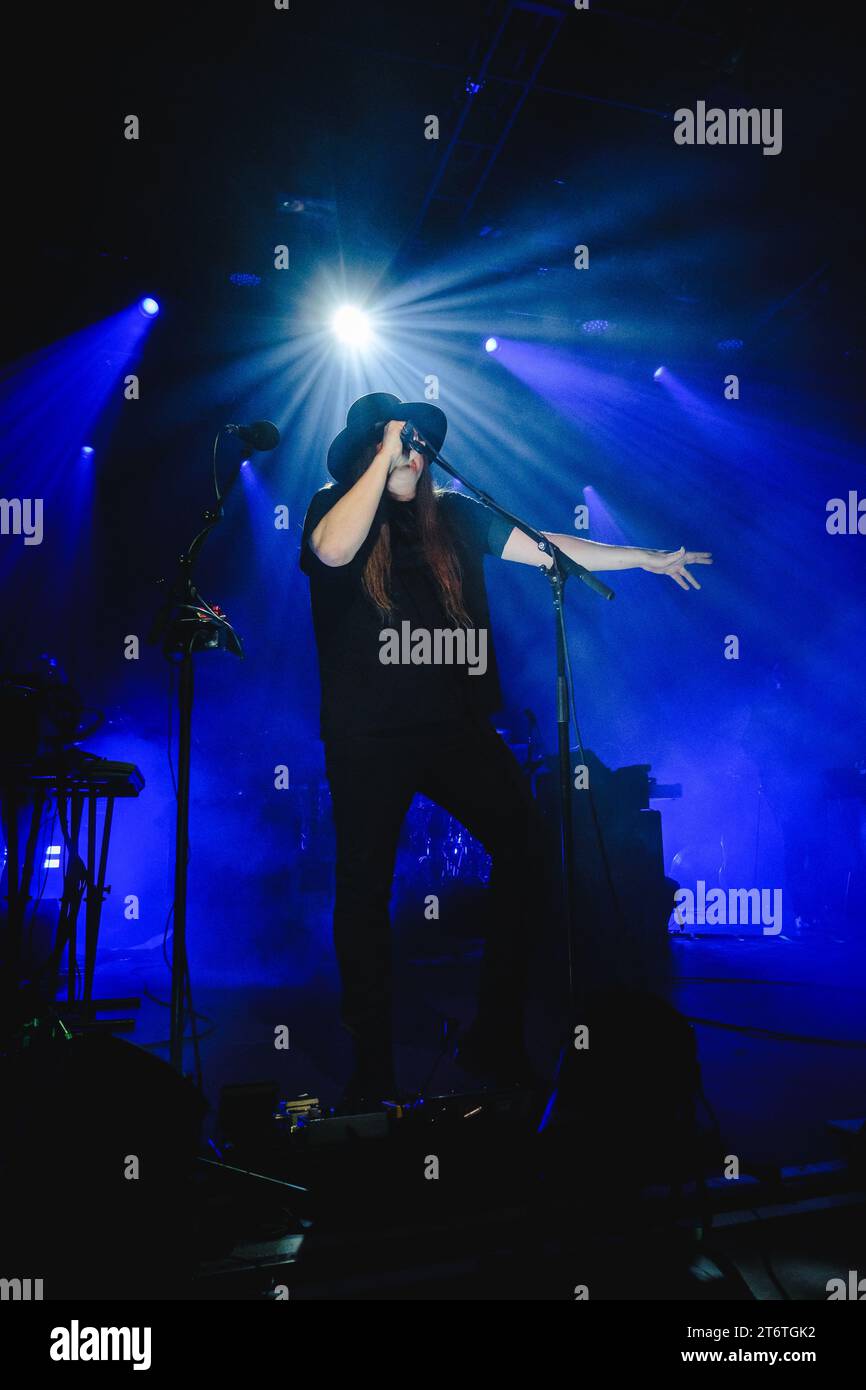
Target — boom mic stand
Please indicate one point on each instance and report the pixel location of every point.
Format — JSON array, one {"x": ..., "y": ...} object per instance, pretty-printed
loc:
[
  {"x": 561, "y": 567},
  {"x": 186, "y": 623}
]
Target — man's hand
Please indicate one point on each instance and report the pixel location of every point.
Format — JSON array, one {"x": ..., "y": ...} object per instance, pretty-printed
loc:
[
  {"x": 674, "y": 562},
  {"x": 392, "y": 447}
]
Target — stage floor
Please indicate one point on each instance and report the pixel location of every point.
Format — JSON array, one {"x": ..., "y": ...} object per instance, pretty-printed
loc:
[{"x": 773, "y": 1089}]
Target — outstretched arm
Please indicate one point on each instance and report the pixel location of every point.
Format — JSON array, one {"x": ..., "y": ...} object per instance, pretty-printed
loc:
[{"x": 595, "y": 556}]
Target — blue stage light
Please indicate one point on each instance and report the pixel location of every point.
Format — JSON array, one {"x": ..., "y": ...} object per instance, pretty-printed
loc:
[
  {"x": 658, "y": 373},
  {"x": 595, "y": 326},
  {"x": 87, "y": 451},
  {"x": 491, "y": 345},
  {"x": 148, "y": 307},
  {"x": 351, "y": 325}
]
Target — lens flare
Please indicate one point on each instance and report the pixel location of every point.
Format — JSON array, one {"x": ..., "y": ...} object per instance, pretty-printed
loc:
[{"x": 351, "y": 325}]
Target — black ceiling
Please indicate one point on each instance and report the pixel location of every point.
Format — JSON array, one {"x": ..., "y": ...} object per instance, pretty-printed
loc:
[{"x": 245, "y": 109}]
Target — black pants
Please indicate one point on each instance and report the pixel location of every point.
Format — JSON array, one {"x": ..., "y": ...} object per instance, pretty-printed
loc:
[{"x": 467, "y": 769}]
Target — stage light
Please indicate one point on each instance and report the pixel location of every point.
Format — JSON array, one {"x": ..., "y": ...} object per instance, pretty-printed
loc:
[
  {"x": 351, "y": 326},
  {"x": 87, "y": 451},
  {"x": 491, "y": 345},
  {"x": 148, "y": 307},
  {"x": 595, "y": 326},
  {"x": 658, "y": 373}
]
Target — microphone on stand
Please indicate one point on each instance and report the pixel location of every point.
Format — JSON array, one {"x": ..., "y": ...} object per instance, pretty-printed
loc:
[
  {"x": 411, "y": 439},
  {"x": 261, "y": 435}
]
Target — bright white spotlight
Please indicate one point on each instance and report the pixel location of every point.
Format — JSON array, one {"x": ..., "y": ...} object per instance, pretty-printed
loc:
[
  {"x": 351, "y": 326},
  {"x": 491, "y": 344},
  {"x": 148, "y": 307}
]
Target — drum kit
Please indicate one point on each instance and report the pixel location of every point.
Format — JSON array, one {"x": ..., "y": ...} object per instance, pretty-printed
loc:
[
  {"x": 442, "y": 848},
  {"x": 433, "y": 844}
]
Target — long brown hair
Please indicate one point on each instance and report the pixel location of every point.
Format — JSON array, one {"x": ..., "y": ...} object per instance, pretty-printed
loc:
[{"x": 436, "y": 544}]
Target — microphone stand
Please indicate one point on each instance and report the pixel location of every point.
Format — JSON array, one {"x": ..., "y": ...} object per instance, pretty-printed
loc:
[
  {"x": 561, "y": 567},
  {"x": 187, "y": 623}
]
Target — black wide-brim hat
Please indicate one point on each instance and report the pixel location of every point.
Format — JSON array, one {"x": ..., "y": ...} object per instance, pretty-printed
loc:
[{"x": 372, "y": 410}]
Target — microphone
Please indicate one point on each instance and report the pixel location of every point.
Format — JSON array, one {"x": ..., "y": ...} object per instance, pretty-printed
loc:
[
  {"x": 260, "y": 435},
  {"x": 411, "y": 439}
]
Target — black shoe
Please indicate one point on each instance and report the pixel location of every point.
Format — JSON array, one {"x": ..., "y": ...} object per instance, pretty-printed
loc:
[{"x": 497, "y": 1060}]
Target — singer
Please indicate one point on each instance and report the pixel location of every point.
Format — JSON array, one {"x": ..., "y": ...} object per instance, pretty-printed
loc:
[{"x": 380, "y": 546}]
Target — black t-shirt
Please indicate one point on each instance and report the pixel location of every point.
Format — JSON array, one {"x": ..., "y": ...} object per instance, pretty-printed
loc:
[{"x": 361, "y": 693}]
